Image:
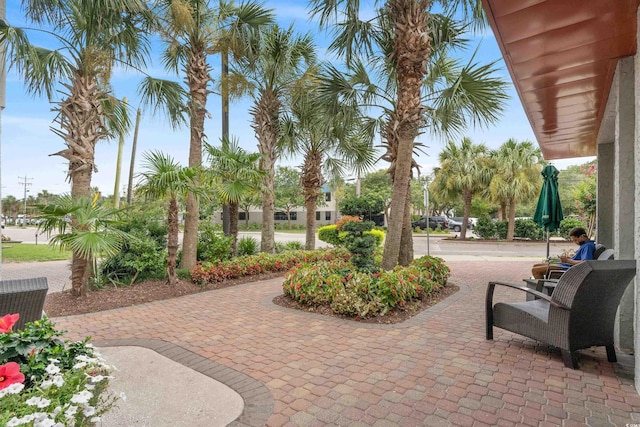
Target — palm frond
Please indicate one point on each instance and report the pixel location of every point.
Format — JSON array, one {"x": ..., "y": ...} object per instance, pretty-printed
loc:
[{"x": 165, "y": 96}]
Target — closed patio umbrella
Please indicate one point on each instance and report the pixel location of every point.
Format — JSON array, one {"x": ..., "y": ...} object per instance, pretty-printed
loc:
[{"x": 549, "y": 210}]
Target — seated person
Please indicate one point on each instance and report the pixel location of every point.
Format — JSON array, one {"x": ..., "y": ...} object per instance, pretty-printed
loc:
[{"x": 585, "y": 252}]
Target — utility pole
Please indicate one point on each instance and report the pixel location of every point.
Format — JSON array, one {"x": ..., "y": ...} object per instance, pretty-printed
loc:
[{"x": 24, "y": 206}]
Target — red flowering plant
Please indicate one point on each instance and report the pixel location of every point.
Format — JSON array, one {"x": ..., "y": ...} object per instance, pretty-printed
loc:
[
  {"x": 7, "y": 322},
  {"x": 47, "y": 381}
]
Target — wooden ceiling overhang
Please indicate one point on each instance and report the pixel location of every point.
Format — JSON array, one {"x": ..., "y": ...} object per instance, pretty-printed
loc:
[{"x": 562, "y": 56}]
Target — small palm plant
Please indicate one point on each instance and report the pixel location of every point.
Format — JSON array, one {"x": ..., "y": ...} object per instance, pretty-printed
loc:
[
  {"x": 164, "y": 178},
  {"x": 85, "y": 227}
]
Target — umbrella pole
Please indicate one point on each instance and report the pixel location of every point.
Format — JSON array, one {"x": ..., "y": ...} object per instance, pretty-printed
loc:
[{"x": 547, "y": 242}]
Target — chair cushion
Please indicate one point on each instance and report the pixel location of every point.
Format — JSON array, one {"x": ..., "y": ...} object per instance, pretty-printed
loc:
[{"x": 528, "y": 318}]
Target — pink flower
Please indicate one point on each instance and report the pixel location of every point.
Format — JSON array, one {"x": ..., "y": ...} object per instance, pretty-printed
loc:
[
  {"x": 7, "y": 322},
  {"x": 10, "y": 374}
]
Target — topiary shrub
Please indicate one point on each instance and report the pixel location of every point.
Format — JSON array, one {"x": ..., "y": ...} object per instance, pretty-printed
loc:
[
  {"x": 528, "y": 229},
  {"x": 567, "y": 224},
  {"x": 485, "y": 228},
  {"x": 361, "y": 245}
]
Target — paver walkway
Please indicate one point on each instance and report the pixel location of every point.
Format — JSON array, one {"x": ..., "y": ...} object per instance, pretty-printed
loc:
[{"x": 435, "y": 369}]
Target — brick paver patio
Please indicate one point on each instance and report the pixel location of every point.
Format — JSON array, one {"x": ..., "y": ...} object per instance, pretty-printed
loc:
[{"x": 435, "y": 369}]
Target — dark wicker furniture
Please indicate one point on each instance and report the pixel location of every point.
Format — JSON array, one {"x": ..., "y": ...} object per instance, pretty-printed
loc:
[
  {"x": 579, "y": 314},
  {"x": 23, "y": 296}
]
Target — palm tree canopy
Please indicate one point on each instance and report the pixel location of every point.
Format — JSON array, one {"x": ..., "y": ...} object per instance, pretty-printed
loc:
[
  {"x": 164, "y": 177},
  {"x": 518, "y": 166},
  {"x": 95, "y": 226},
  {"x": 234, "y": 171},
  {"x": 464, "y": 167}
]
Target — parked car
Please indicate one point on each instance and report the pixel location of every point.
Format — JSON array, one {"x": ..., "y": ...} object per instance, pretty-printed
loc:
[
  {"x": 455, "y": 223},
  {"x": 434, "y": 222}
]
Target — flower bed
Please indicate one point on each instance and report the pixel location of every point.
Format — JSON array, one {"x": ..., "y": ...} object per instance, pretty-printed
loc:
[
  {"x": 45, "y": 381},
  {"x": 362, "y": 294},
  {"x": 211, "y": 272}
]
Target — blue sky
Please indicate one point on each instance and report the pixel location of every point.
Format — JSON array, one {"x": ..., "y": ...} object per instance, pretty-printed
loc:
[{"x": 27, "y": 142}]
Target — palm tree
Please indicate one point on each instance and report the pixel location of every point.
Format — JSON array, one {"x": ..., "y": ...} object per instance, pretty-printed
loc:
[
  {"x": 422, "y": 88},
  {"x": 91, "y": 37},
  {"x": 331, "y": 145},
  {"x": 235, "y": 174},
  {"x": 192, "y": 30},
  {"x": 464, "y": 170},
  {"x": 517, "y": 176},
  {"x": 94, "y": 233},
  {"x": 272, "y": 68},
  {"x": 164, "y": 178}
]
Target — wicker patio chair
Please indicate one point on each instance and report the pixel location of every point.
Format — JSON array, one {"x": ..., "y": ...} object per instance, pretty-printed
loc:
[
  {"x": 23, "y": 296},
  {"x": 579, "y": 314},
  {"x": 548, "y": 284}
]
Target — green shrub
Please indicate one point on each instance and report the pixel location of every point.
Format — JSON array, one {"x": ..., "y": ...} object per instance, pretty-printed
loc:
[
  {"x": 528, "y": 229},
  {"x": 213, "y": 245},
  {"x": 291, "y": 245},
  {"x": 329, "y": 234},
  {"x": 567, "y": 224},
  {"x": 502, "y": 229},
  {"x": 247, "y": 245},
  {"x": 141, "y": 257},
  {"x": 485, "y": 228},
  {"x": 434, "y": 269}
]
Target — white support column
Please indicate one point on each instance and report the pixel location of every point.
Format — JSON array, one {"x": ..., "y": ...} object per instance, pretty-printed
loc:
[{"x": 624, "y": 185}]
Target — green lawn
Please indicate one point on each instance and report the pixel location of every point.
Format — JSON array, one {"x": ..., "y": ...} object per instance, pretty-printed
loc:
[{"x": 25, "y": 252}]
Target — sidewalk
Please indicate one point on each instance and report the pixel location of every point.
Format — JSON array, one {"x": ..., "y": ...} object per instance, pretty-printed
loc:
[{"x": 296, "y": 368}]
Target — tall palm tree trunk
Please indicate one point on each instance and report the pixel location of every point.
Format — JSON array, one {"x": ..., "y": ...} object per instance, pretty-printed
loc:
[
  {"x": 233, "y": 227},
  {"x": 265, "y": 124},
  {"x": 311, "y": 181},
  {"x": 406, "y": 242},
  {"x": 81, "y": 120},
  {"x": 467, "y": 197},
  {"x": 512, "y": 220},
  {"x": 197, "y": 80},
  {"x": 411, "y": 51},
  {"x": 172, "y": 241}
]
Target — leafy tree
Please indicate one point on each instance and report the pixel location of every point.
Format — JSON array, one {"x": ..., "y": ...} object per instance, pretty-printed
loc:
[
  {"x": 164, "y": 178},
  {"x": 273, "y": 66},
  {"x": 517, "y": 176},
  {"x": 94, "y": 233},
  {"x": 193, "y": 29},
  {"x": 234, "y": 174},
  {"x": 287, "y": 191},
  {"x": 585, "y": 195},
  {"x": 464, "y": 170},
  {"x": 405, "y": 43}
]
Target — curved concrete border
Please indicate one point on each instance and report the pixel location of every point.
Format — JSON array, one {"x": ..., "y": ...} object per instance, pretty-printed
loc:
[{"x": 258, "y": 402}]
